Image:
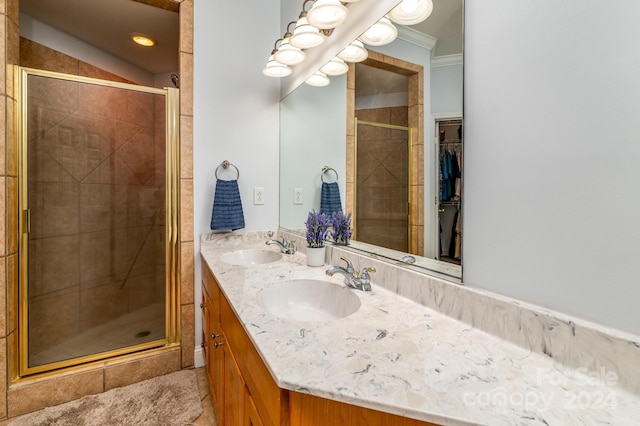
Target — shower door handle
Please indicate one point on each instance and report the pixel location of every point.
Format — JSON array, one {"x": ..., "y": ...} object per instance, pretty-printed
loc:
[{"x": 26, "y": 221}]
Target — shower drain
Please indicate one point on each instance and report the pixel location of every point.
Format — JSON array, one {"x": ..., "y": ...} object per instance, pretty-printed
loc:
[{"x": 144, "y": 333}]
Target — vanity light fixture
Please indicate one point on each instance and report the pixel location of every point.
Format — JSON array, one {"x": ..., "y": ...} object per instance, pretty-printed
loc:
[
  {"x": 305, "y": 35},
  {"x": 335, "y": 66},
  {"x": 327, "y": 14},
  {"x": 411, "y": 12},
  {"x": 143, "y": 40},
  {"x": 275, "y": 68},
  {"x": 381, "y": 33},
  {"x": 354, "y": 52},
  {"x": 318, "y": 79},
  {"x": 288, "y": 54}
]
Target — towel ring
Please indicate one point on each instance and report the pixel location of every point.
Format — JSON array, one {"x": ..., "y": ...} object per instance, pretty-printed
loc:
[
  {"x": 225, "y": 165},
  {"x": 327, "y": 169}
]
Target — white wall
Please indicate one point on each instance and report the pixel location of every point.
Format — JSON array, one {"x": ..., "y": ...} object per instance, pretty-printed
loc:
[
  {"x": 235, "y": 112},
  {"x": 313, "y": 128},
  {"x": 552, "y": 158},
  {"x": 446, "y": 90}
]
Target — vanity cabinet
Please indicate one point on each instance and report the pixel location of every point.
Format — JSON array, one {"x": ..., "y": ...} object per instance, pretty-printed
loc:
[{"x": 243, "y": 390}]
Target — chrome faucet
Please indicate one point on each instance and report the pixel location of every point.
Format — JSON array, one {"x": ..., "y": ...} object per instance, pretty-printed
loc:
[
  {"x": 352, "y": 277},
  {"x": 286, "y": 246},
  {"x": 408, "y": 259}
]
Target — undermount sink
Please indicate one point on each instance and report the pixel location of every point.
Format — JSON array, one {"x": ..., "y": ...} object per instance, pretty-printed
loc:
[
  {"x": 308, "y": 300},
  {"x": 251, "y": 257}
]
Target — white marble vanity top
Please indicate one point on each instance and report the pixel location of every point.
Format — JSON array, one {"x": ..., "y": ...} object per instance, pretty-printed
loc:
[{"x": 398, "y": 356}]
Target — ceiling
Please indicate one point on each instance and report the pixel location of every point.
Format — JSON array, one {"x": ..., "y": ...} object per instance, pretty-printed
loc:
[{"x": 108, "y": 25}]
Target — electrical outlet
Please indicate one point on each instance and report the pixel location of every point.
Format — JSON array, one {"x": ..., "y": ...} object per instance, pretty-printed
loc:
[
  {"x": 297, "y": 196},
  {"x": 258, "y": 196}
]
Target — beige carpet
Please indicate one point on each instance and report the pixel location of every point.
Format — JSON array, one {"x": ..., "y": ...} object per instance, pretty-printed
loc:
[{"x": 171, "y": 400}]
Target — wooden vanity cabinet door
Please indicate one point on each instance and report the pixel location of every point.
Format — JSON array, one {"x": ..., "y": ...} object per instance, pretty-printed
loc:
[
  {"x": 251, "y": 416},
  {"x": 271, "y": 402},
  {"x": 215, "y": 353},
  {"x": 234, "y": 390}
]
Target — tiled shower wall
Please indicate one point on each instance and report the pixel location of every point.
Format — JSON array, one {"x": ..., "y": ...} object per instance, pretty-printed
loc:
[
  {"x": 382, "y": 179},
  {"x": 96, "y": 194},
  {"x": 25, "y": 395}
]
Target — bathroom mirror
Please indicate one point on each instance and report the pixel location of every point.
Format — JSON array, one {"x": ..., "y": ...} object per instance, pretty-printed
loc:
[{"x": 314, "y": 129}]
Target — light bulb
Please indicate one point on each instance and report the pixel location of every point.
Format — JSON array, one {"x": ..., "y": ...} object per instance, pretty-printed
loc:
[
  {"x": 275, "y": 68},
  {"x": 381, "y": 33},
  {"x": 335, "y": 66},
  {"x": 411, "y": 12},
  {"x": 318, "y": 79},
  {"x": 305, "y": 35},
  {"x": 327, "y": 14},
  {"x": 288, "y": 54},
  {"x": 354, "y": 52}
]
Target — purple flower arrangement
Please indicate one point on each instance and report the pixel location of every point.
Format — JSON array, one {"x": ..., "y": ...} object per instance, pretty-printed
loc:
[
  {"x": 341, "y": 227},
  {"x": 317, "y": 229}
]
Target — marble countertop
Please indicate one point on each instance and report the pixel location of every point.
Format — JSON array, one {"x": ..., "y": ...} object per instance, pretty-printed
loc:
[{"x": 398, "y": 356}]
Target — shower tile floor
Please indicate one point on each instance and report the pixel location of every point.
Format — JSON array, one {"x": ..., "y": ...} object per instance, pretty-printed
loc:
[{"x": 127, "y": 330}]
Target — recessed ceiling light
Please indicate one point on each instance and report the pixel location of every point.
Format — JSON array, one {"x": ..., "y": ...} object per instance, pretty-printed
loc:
[{"x": 143, "y": 40}]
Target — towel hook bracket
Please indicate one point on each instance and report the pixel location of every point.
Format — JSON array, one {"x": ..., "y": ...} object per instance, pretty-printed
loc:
[
  {"x": 225, "y": 165},
  {"x": 327, "y": 169}
]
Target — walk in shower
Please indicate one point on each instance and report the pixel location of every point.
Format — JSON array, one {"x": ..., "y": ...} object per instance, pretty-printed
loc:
[
  {"x": 98, "y": 219},
  {"x": 383, "y": 167}
]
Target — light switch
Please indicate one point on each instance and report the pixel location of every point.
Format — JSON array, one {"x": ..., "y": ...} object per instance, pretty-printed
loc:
[
  {"x": 258, "y": 196},
  {"x": 297, "y": 196}
]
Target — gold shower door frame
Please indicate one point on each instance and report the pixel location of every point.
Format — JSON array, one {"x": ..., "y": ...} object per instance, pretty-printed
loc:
[
  {"x": 410, "y": 177},
  {"x": 172, "y": 246}
]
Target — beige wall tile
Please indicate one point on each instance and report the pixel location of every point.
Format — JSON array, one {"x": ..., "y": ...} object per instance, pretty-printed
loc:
[
  {"x": 3, "y": 377},
  {"x": 3, "y": 207},
  {"x": 186, "y": 210},
  {"x": 12, "y": 292},
  {"x": 3, "y": 294},
  {"x": 187, "y": 272},
  {"x": 187, "y": 335},
  {"x": 11, "y": 147},
  {"x": 34, "y": 55},
  {"x": 12, "y": 10},
  {"x": 186, "y": 26},
  {"x": 186, "y": 147},
  {"x": 125, "y": 372},
  {"x": 57, "y": 319},
  {"x": 12, "y": 215},
  {"x": 3, "y": 130},
  {"x": 32, "y": 396},
  {"x": 186, "y": 83}
]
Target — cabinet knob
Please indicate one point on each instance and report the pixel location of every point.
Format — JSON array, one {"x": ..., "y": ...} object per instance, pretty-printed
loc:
[
  {"x": 203, "y": 344},
  {"x": 214, "y": 336},
  {"x": 217, "y": 344},
  {"x": 202, "y": 305}
]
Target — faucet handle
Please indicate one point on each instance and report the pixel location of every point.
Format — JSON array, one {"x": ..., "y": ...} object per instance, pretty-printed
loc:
[
  {"x": 365, "y": 272},
  {"x": 350, "y": 267}
]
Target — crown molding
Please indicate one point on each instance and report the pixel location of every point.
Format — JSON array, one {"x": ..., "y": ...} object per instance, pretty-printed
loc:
[
  {"x": 419, "y": 39},
  {"x": 447, "y": 60}
]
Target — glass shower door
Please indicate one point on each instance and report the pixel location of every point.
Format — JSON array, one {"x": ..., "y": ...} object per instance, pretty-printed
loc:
[
  {"x": 382, "y": 185},
  {"x": 97, "y": 268}
]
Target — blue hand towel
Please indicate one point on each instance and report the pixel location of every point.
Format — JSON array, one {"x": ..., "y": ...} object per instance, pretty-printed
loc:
[
  {"x": 330, "y": 198},
  {"x": 227, "y": 206}
]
